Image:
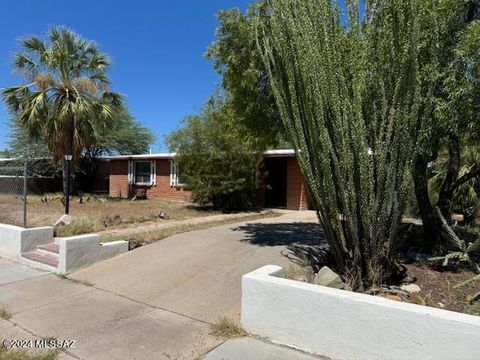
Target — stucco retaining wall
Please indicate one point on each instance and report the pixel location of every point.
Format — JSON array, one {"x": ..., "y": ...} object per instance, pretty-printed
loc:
[
  {"x": 80, "y": 251},
  {"x": 352, "y": 326},
  {"x": 15, "y": 240}
]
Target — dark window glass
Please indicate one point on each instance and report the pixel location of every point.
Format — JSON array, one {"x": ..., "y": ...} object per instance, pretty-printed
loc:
[{"x": 142, "y": 172}]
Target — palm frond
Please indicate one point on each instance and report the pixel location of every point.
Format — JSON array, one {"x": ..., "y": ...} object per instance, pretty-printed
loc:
[
  {"x": 34, "y": 45},
  {"x": 98, "y": 63},
  {"x": 24, "y": 61},
  {"x": 66, "y": 102}
]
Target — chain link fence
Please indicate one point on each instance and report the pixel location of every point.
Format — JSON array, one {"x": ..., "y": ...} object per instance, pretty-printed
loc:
[
  {"x": 24, "y": 182},
  {"x": 14, "y": 176}
]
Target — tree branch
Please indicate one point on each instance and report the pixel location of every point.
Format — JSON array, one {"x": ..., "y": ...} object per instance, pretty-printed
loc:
[{"x": 474, "y": 172}]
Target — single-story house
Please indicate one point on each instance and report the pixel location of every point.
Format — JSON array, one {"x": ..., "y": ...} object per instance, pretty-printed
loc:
[{"x": 158, "y": 175}]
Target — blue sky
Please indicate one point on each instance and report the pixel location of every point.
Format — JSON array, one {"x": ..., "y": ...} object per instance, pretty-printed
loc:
[{"x": 156, "y": 48}]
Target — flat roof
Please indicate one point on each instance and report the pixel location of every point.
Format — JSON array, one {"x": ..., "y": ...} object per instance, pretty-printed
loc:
[
  {"x": 141, "y": 156},
  {"x": 268, "y": 153},
  {"x": 279, "y": 153}
]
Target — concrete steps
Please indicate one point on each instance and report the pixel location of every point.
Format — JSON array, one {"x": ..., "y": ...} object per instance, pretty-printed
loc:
[
  {"x": 46, "y": 254},
  {"x": 52, "y": 248}
]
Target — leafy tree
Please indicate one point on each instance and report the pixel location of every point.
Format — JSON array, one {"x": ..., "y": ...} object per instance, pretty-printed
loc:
[
  {"x": 448, "y": 112},
  {"x": 6, "y": 154},
  {"x": 65, "y": 98},
  {"x": 466, "y": 195},
  {"x": 245, "y": 82},
  {"x": 125, "y": 136},
  {"x": 347, "y": 95},
  {"x": 217, "y": 163},
  {"x": 20, "y": 144}
]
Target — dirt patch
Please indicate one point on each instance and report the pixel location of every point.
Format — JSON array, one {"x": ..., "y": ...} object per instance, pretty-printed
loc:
[
  {"x": 95, "y": 213},
  {"x": 438, "y": 288},
  {"x": 140, "y": 236}
]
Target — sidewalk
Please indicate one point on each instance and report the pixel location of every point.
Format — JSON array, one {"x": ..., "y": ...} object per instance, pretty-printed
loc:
[
  {"x": 103, "y": 324},
  {"x": 250, "y": 348}
]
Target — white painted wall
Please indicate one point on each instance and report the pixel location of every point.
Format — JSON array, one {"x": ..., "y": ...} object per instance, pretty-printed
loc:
[
  {"x": 352, "y": 326},
  {"x": 80, "y": 251},
  {"x": 14, "y": 239}
]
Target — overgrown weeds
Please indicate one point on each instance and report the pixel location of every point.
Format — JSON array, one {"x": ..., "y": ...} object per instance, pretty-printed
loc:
[
  {"x": 299, "y": 273},
  {"x": 15, "y": 354},
  {"x": 5, "y": 313},
  {"x": 225, "y": 327}
]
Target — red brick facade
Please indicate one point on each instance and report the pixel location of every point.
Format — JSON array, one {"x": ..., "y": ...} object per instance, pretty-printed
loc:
[
  {"x": 297, "y": 198},
  {"x": 296, "y": 192},
  {"x": 119, "y": 178},
  {"x": 119, "y": 186}
]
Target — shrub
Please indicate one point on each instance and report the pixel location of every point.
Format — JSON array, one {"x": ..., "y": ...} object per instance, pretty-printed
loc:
[{"x": 217, "y": 164}]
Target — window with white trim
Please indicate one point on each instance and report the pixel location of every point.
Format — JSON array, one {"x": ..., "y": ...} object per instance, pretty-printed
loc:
[
  {"x": 174, "y": 174},
  {"x": 141, "y": 173}
]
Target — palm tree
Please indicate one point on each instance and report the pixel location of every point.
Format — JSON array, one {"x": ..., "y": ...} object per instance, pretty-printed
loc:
[{"x": 65, "y": 98}]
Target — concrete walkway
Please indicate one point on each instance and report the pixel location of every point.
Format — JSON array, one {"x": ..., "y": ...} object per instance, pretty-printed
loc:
[{"x": 156, "y": 302}]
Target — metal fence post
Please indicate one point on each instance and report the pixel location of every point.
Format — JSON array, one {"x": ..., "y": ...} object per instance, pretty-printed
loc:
[{"x": 25, "y": 190}]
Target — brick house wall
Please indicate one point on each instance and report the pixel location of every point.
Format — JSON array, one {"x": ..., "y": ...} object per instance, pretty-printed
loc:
[
  {"x": 297, "y": 197},
  {"x": 163, "y": 189},
  {"x": 118, "y": 182},
  {"x": 119, "y": 186}
]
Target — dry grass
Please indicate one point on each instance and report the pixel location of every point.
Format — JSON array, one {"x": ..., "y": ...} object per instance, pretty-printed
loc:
[
  {"x": 425, "y": 300},
  {"x": 5, "y": 313},
  {"x": 148, "y": 237},
  {"x": 95, "y": 214},
  {"x": 7, "y": 354},
  {"x": 299, "y": 273},
  {"x": 226, "y": 328}
]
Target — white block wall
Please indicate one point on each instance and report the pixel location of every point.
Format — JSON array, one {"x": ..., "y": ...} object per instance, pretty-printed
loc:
[
  {"x": 15, "y": 240},
  {"x": 79, "y": 251},
  {"x": 352, "y": 326}
]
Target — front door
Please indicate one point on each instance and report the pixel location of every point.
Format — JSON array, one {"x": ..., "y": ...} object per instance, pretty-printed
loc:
[{"x": 276, "y": 182}]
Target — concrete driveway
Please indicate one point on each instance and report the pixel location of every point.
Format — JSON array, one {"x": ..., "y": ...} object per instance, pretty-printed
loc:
[{"x": 155, "y": 302}]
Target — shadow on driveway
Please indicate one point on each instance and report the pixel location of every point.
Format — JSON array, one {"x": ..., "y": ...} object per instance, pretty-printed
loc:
[
  {"x": 277, "y": 234},
  {"x": 305, "y": 241}
]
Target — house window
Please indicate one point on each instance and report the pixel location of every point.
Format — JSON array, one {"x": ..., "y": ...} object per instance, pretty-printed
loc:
[
  {"x": 141, "y": 173},
  {"x": 174, "y": 174}
]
